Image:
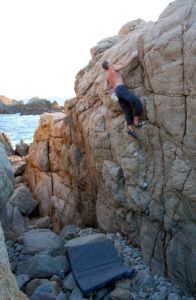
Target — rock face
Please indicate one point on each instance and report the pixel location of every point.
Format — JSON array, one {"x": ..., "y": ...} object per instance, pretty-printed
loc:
[
  {"x": 4, "y": 140},
  {"x": 84, "y": 169},
  {"x": 23, "y": 199},
  {"x": 8, "y": 285},
  {"x": 6, "y": 183}
]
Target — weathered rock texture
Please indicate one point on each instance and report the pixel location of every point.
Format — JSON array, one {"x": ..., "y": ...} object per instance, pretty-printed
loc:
[
  {"x": 22, "y": 148},
  {"x": 8, "y": 285},
  {"x": 6, "y": 183},
  {"x": 4, "y": 140},
  {"x": 84, "y": 169},
  {"x": 10, "y": 217}
]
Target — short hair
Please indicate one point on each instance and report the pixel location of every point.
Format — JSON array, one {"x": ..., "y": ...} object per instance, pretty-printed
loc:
[{"x": 105, "y": 65}]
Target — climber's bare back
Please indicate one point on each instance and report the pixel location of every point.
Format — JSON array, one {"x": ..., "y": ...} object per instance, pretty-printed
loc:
[{"x": 114, "y": 78}]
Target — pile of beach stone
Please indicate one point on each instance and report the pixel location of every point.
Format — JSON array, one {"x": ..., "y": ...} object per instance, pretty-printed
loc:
[{"x": 40, "y": 261}]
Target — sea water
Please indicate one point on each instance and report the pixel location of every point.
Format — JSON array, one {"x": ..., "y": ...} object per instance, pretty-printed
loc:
[{"x": 19, "y": 127}]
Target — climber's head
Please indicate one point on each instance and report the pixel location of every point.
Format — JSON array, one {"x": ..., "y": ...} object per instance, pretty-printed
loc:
[{"x": 105, "y": 65}]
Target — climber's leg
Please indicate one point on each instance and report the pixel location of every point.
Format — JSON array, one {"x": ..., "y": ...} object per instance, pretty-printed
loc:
[
  {"x": 129, "y": 117},
  {"x": 125, "y": 95},
  {"x": 127, "y": 111},
  {"x": 137, "y": 112}
]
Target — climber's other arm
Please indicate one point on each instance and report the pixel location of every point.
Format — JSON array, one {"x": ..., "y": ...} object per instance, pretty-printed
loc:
[{"x": 122, "y": 66}]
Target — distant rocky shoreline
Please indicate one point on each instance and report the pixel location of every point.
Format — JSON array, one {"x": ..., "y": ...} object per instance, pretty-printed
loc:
[{"x": 35, "y": 106}]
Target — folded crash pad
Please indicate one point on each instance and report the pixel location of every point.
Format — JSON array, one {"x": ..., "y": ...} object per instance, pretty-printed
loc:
[{"x": 94, "y": 265}]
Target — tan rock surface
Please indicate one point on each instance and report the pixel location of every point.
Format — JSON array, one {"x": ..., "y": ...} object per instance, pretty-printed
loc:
[{"x": 84, "y": 169}]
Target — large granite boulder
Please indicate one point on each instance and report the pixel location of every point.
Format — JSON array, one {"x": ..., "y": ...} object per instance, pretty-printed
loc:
[
  {"x": 44, "y": 266},
  {"x": 23, "y": 199},
  {"x": 8, "y": 285},
  {"x": 39, "y": 240},
  {"x": 6, "y": 183},
  {"x": 4, "y": 139},
  {"x": 84, "y": 169},
  {"x": 10, "y": 217},
  {"x": 15, "y": 221}
]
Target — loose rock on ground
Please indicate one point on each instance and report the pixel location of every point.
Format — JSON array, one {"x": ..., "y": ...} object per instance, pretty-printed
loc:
[{"x": 44, "y": 274}]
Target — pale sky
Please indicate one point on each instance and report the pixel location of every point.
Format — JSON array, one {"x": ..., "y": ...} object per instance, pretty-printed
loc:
[{"x": 44, "y": 43}]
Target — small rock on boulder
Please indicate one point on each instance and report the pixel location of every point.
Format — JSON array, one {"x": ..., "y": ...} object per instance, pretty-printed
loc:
[
  {"x": 43, "y": 266},
  {"x": 23, "y": 199},
  {"x": 33, "y": 284},
  {"x": 69, "y": 232},
  {"x": 49, "y": 287},
  {"x": 38, "y": 240},
  {"x": 18, "y": 165},
  {"x": 120, "y": 294},
  {"x": 22, "y": 279},
  {"x": 43, "y": 297},
  {"x": 22, "y": 148},
  {"x": 15, "y": 220},
  {"x": 42, "y": 223},
  {"x": 69, "y": 282}
]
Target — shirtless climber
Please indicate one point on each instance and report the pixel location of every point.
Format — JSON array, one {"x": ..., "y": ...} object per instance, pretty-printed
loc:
[{"x": 127, "y": 100}]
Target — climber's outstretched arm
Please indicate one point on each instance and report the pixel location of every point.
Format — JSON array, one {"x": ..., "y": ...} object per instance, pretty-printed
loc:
[{"x": 122, "y": 66}]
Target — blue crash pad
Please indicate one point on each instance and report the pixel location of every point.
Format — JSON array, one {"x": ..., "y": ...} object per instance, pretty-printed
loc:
[{"x": 94, "y": 265}]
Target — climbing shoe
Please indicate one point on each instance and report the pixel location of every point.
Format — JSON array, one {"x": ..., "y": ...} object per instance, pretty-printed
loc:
[{"x": 132, "y": 133}]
